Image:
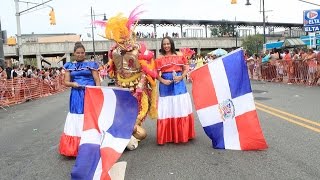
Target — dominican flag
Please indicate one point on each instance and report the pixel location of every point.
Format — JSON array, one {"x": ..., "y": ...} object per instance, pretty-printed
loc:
[
  {"x": 109, "y": 118},
  {"x": 225, "y": 106}
]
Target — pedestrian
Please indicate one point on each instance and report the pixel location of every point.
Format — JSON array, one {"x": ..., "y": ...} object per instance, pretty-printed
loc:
[
  {"x": 3, "y": 81},
  {"x": 77, "y": 75},
  {"x": 288, "y": 65},
  {"x": 311, "y": 61},
  {"x": 3, "y": 73},
  {"x": 175, "y": 117}
]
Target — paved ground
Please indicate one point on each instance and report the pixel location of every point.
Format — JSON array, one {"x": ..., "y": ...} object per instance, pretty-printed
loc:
[{"x": 29, "y": 135}]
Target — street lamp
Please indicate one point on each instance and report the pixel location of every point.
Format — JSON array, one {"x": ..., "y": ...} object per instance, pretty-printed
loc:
[
  {"x": 264, "y": 22},
  {"x": 92, "y": 30},
  {"x": 264, "y": 19},
  {"x": 18, "y": 14}
]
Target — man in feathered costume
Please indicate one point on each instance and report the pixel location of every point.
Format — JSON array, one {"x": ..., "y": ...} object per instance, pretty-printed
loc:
[{"x": 132, "y": 66}]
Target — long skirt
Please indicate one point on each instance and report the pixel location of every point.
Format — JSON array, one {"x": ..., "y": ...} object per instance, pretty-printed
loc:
[
  {"x": 70, "y": 138},
  {"x": 175, "y": 117}
]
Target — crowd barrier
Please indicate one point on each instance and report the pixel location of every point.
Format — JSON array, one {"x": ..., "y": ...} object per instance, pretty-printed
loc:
[
  {"x": 298, "y": 72},
  {"x": 19, "y": 90}
]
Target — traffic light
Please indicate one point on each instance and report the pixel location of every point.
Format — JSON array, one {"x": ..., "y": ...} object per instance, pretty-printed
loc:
[
  {"x": 233, "y": 1},
  {"x": 52, "y": 17}
]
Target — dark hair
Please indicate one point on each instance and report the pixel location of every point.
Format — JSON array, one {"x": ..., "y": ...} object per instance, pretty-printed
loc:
[
  {"x": 286, "y": 51},
  {"x": 78, "y": 45},
  {"x": 173, "y": 48}
]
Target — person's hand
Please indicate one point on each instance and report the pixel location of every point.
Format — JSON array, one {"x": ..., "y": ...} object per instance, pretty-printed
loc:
[
  {"x": 75, "y": 85},
  {"x": 166, "y": 82},
  {"x": 177, "y": 79}
]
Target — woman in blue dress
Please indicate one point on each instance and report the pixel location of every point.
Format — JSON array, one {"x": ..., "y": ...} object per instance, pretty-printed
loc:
[{"x": 77, "y": 75}]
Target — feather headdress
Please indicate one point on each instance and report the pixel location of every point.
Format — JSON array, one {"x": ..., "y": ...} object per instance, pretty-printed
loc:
[
  {"x": 187, "y": 52},
  {"x": 120, "y": 28}
]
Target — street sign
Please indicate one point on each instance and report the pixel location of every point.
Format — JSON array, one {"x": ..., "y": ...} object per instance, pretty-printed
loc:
[
  {"x": 312, "y": 28},
  {"x": 311, "y": 20}
]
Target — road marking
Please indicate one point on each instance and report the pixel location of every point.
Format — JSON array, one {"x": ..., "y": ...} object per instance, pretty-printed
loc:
[
  {"x": 289, "y": 120},
  {"x": 288, "y": 114}
]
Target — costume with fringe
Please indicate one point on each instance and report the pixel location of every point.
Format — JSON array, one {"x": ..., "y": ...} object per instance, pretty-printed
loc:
[{"x": 132, "y": 66}]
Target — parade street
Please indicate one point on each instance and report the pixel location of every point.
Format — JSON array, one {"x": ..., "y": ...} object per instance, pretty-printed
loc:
[{"x": 289, "y": 117}]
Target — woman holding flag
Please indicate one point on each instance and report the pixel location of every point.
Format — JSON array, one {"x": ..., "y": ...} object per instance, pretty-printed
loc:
[
  {"x": 77, "y": 75},
  {"x": 175, "y": 118}
]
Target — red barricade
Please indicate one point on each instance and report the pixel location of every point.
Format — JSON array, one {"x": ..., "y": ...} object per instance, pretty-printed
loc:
[
  {"x": 19, "y": 90},
  {"x": 299, "y": 72}
]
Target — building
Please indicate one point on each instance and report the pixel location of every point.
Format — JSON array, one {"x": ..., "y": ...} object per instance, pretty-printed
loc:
[{"x": 50, "y": 38}]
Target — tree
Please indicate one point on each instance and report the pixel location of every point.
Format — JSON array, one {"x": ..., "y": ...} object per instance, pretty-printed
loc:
[
  {"x": 214, "y": 32},
  {"x": 225, "y": 29},
  {"x": 253, "y": 44}
]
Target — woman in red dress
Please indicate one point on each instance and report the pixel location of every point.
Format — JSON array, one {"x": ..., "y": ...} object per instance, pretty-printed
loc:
[{"x": 175, "y": 117}]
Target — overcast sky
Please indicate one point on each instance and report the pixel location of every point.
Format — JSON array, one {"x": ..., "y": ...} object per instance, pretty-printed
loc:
[{"x": 73, "y": 16}]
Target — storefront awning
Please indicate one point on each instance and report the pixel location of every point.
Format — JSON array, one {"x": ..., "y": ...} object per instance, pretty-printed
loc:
[{"x": 293, "y": 42}]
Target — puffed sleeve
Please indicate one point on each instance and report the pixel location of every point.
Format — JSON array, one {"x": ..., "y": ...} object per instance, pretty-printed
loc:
[
  {"x": 93, "y": 65},
  {"x": 66, "y": 66},
  {"x": 185, "y": 60}
]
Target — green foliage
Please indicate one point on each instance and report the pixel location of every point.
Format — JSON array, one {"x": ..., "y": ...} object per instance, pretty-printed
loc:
[
  {"x": 225, "y": 29},
  {"x": 204, "y": 52},
  {"x": 214, "y": 32},
  {"x": 253, "y": 44}
]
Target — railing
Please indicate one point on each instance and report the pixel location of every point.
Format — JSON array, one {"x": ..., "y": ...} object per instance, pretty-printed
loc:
[
  {"x": 291, "y": 72},
  {"x": 19, "y": 90}
]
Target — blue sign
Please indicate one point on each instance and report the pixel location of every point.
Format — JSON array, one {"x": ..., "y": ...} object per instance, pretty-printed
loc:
[
  {"x": 311, "y": 20},
  {"x": 312, "y": 28}
]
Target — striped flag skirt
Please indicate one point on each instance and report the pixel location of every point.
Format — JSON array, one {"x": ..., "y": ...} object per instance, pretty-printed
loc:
[
  {"x": 175, "y": 117},
  {"x": 70, "y": 138}
]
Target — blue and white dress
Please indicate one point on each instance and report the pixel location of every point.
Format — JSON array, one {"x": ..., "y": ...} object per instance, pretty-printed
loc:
[{"x": 80, "y": 72}]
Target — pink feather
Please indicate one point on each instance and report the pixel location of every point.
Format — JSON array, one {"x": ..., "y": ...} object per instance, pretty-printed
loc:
[
  {"x": 134, "y": 10},
  {"x": 100, "y": 23},
  {"x": 134, "y": 16}
]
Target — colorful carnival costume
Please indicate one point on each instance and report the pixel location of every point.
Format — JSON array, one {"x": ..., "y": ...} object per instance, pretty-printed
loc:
[
  {"x": 80, "y": 72},
  {"x": 175, "y": 117},
  {"x": 133, "y": 67}
]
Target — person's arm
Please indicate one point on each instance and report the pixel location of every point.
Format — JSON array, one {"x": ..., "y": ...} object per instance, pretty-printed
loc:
[
  {"x": 183, "y": 75},
  {"x": 307, "y": 57},
  {"x": 96, "y": 77},
  {"x": 67, "y": 81},
  {"x": 163, "y": 81},
  {"x": 5, "y": 76},
  {"x": 185, "y": 69},
  {"x": 313, "y": 56}
]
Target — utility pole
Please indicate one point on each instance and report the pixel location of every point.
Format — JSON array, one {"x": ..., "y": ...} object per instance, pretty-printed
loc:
[
  {"x": 92, "y": 31},
  {"x": 19, "y": 39},
  {"x": 264, "y": 18},
  {"x": 235, "y": 31},
  {"x": 264, "y": 23},
  {"x": 1, "y": 48},
  {"x": 18, "y": 14}
]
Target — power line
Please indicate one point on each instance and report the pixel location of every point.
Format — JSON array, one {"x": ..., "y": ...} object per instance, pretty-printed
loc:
[{"x": 309, "y": 2}]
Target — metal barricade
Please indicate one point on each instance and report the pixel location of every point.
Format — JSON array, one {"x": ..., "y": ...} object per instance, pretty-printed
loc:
[
  {"x": 299, "y": 72},
  {"x": 19, "y": 90}
]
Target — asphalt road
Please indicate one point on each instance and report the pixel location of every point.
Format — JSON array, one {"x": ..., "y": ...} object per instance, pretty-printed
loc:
[{"x": 29, "y": 136}]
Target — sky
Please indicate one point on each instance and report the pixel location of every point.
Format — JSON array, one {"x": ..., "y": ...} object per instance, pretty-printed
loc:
[{"x": 73, "y": 16}]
